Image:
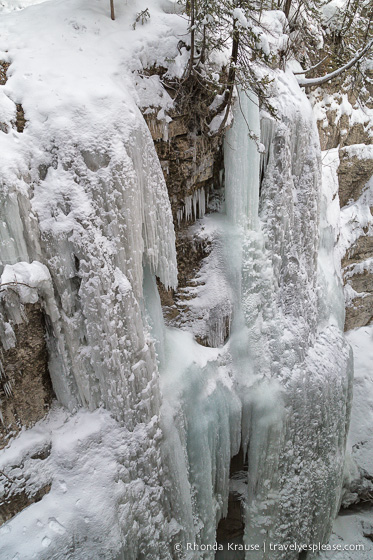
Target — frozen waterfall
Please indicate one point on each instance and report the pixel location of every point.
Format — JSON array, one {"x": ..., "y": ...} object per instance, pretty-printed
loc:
[
  {"x": 281, "y": 386},
  {"x": 139, "y": 464}
]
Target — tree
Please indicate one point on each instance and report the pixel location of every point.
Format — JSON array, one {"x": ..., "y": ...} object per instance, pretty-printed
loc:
[
  {"x": 330, "y": 37},
  {"x": 214, "y": 25},
  {"x": 323, "y": 79}
]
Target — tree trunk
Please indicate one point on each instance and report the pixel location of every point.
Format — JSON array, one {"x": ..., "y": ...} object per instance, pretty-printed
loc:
[
  {"x": 287, "y": 8},
  {"x": 192, "y": 35},
  {"x": 231, "y": 75},
  {"x": 112, "y": 9}
]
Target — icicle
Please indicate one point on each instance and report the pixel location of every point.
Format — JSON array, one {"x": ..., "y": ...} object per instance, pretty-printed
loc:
[
  {"x": 180, "y": 214},
  {"x": 195, "y": 205},
  {"x": 201, "y": 202},
  {"x": 188, "y": 208},
  {"x": 242, "y": 159}
]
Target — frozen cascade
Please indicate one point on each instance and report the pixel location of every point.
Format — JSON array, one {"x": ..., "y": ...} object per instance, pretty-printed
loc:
[
  {"x": 109, "y": 210},
  {"x": 281, "y": 386},
  {"x": 87, "y": 221},
  {"x": 84, "y": 210},
  {"x": 241, "y": 163},
  {"x": 82, "y": 192},
  {"x": 82, "y": 234},
  {"x": 295, "y": 414}
]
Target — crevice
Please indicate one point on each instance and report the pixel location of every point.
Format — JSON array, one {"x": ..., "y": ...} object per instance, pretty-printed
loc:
[
  {"x": 12, "y": 504},
  {"x": 231, "y": 528}
]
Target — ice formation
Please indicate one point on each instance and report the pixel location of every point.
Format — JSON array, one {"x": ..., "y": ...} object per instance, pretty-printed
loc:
[
  {"x": 92, "y": 206},
  {"x": 86, "y": 222},
  {"x": 286, "y": 369},
  {"x": 194, "y": 206}
]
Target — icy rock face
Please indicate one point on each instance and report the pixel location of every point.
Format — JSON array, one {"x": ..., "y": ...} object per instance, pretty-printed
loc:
[
  {"x": 82, "y": 192},
  {"x": 296, "y": 423},
  {"x": 85, "y": 198},
  {"x": 84, "y": 204},
  {"x": 106, "y": 497},
  {"x": 90, "y": 222},
  {"x": 94, "y": 212}
]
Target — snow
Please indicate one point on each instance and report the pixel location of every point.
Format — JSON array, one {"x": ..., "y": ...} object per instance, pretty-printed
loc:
[
  {"x": 331, "y": 9},
  {"x": 355, "y": 219},
  {"x": 360, "y": 439},
  {"x": 239, "y": 15},
  {"x": 338, "y": 103},
  {"x": 210, "y": 297},
  {"x": 35, "y": 276},
  {"x": 352, "y": 525},
  {"x": 25, "y": 283},
  {"x": 361, "y": 151},
  {"x": 10, "y": 5},
  {"x": 93, "y": 466}
]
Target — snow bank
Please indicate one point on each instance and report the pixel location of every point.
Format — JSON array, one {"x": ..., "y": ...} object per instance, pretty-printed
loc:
[
  {"x": 352, "y": 526},
  {"x": 105, "y": 497}
]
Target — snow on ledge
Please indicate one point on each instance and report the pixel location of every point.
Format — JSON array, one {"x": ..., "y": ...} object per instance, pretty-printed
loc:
[{"x": 29, "y": 277}]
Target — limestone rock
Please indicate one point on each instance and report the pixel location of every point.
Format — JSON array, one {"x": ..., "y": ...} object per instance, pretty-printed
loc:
[
  {"x": 360, "y": 312},
  {"x": 361, "y": 250},
  {"x": 354, "y": 172},
  {"x": 25, "y": 386}
]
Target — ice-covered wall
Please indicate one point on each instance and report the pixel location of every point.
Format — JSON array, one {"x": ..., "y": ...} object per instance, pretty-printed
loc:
[
  {"x": 83, "y": 210},
  {"x": 83, "y": 193},
  {"x": 98, "y": 210}
]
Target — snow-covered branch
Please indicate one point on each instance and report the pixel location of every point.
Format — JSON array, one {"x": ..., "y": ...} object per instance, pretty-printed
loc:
[
  {"x": 322, "y": 79},
  {"x": 312, "y": 67}
]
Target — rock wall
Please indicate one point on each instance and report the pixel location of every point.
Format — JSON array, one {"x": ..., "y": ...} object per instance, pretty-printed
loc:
[
  {"x": 26, "y": 395},
  {"x": 193, "y": 167},
  {"x": 345, "y": 121},
  {"x": 25, "y": 386}
]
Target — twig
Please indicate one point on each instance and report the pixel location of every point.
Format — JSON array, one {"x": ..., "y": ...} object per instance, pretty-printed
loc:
[{"x": 6, "y": 476}]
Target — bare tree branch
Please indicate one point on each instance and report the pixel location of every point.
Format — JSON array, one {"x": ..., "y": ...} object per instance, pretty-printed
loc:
[{"x": 15, "y": 283}]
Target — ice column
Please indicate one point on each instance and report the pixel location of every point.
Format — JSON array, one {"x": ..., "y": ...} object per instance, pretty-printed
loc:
[{"x": 241, "y": 160}]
